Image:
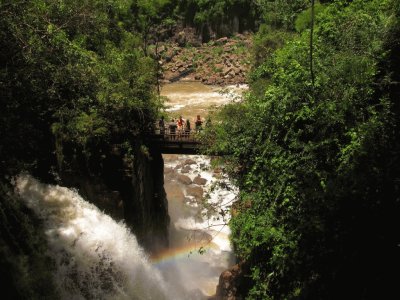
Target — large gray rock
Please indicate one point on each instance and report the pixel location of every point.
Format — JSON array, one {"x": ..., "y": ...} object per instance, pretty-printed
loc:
[{"x": 174, "y": 192}]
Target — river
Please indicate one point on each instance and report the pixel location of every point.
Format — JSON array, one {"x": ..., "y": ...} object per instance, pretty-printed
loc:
[{"x": 199, "y": 197}]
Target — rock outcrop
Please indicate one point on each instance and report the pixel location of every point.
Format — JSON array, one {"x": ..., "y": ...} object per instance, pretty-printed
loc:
[
  {"x": 220, "y": 62},
  {"x": 147, "y": 210},
  {"x": 199, "y": 180},
  {"x": 233, "y": 283},
  {"x": 129, "y": 188}
]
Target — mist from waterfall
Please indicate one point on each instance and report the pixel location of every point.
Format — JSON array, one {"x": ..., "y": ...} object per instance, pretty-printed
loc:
[{"x": 96, "y": 257}]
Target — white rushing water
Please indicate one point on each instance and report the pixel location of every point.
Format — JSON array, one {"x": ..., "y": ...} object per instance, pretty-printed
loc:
[
  {"x": 189, "y": 98},
  {"x": 199, "y": 200},
  {"x": 96, "y": 257}
]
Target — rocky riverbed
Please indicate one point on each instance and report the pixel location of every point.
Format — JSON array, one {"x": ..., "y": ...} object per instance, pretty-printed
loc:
[
  {"x": 199, "y": 200},
  {"x": 225, "y": 61}
]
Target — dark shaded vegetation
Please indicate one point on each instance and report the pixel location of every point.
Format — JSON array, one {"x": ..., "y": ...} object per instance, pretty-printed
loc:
[
  {"x": 158, "y": 19},
  {"x": 219, "y": 18},
  {"x": 317, "y": 161},
  {"x": 70, "y": 74},
  {"x": 76, "y": 89}
]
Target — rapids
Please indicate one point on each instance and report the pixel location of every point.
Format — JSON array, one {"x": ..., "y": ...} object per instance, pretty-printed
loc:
[
  {"x": 191, "y": 98},
  {"x": 199, "y": 249},
  {"x": 96, "y": 257}
]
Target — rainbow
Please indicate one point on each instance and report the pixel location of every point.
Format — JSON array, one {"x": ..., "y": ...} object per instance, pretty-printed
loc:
[{"x": 183, "y": 252}]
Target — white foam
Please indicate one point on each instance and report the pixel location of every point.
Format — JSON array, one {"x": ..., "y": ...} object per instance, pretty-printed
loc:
[
  {"x": 220, "y": 196},
  {"x": 175, "y": 107},
  {"x": 201, "y": 94},
  {"x": 96, "y": 257}
]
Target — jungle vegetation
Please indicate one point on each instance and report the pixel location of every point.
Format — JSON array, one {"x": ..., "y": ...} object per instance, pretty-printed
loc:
[
  {"x": 313, "y": 147},
  {"x": 73, "y": 76}
]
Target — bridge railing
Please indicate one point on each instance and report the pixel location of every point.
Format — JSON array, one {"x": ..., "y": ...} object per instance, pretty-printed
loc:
[{"x": 177, "y": 135}]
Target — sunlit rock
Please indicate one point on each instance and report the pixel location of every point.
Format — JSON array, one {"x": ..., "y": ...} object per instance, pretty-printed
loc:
[
  {"x": 195, "y": 191},
  {"x": 199, "y": 180},
  {"x": 183, "y": 179}
]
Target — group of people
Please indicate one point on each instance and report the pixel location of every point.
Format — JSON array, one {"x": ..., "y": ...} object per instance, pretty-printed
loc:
[{"x": 180, "y": 127}]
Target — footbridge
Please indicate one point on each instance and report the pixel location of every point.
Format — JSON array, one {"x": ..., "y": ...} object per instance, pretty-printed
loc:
[{"x": 174, "y": 142}]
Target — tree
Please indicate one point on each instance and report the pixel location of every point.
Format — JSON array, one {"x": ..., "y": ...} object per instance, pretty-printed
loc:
[
  {"x": 317, "y": 164},
  {"x": 71, "y": 72}
]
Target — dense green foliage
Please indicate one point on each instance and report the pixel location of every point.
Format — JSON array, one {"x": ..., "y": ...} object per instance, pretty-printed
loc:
[
  {"x": 150, "y": 16},
  {"x": 223, "y": 17},
  {"x": 74, "y": 69},
  {"x": 281, "y": 13},
  {"x": 74, "y": 82},
  {"x": 211, "y": 18},
  {"x": 318, "y": 164}
]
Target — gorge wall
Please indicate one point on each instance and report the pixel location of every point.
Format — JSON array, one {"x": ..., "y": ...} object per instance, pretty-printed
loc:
[
  {"x": 147, "y": 208},
  {"x": 128, "y": 187}
]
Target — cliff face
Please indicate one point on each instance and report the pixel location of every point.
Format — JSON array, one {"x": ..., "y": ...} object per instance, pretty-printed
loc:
[
  {"x": 147, "y": 208},
  {"x": 127, "y": 187},
  {"x": 234, "y": 283}
]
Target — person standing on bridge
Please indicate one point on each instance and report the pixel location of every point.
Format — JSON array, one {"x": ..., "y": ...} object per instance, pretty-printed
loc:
[
  {"x": 180, "y": 124},
  {"x": 187, "y": 128},
  {"x": 172, "y": 129},
  {"x": 198, "y": 123}
]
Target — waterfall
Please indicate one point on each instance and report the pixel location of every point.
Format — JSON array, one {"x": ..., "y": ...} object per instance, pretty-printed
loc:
[{"x": 95, "y": 257}]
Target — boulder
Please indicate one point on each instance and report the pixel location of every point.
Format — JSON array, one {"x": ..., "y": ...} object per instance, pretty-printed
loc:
[
  {"x": 186, "y": 169},
  {"x": 179, "y": 166},
  {"x": 181, "y": 39},
  {"x": 195, "y": 191},
  {"x": 199, "y": 180},
  {"x": 184, "y": 179},
  {"x": 174, "y": 192},
  {"x": 168, "y": 170},
  {"x": 190, "y": 162},
  {"x": 237, "y": 71},
  {"x": 217, "y": 170},
  {"x": 231, "y": 282},
  {"x": 162, "y": 49},
  {"x": 226, "y": 71},
  {"x": 221, "y": 41}
]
